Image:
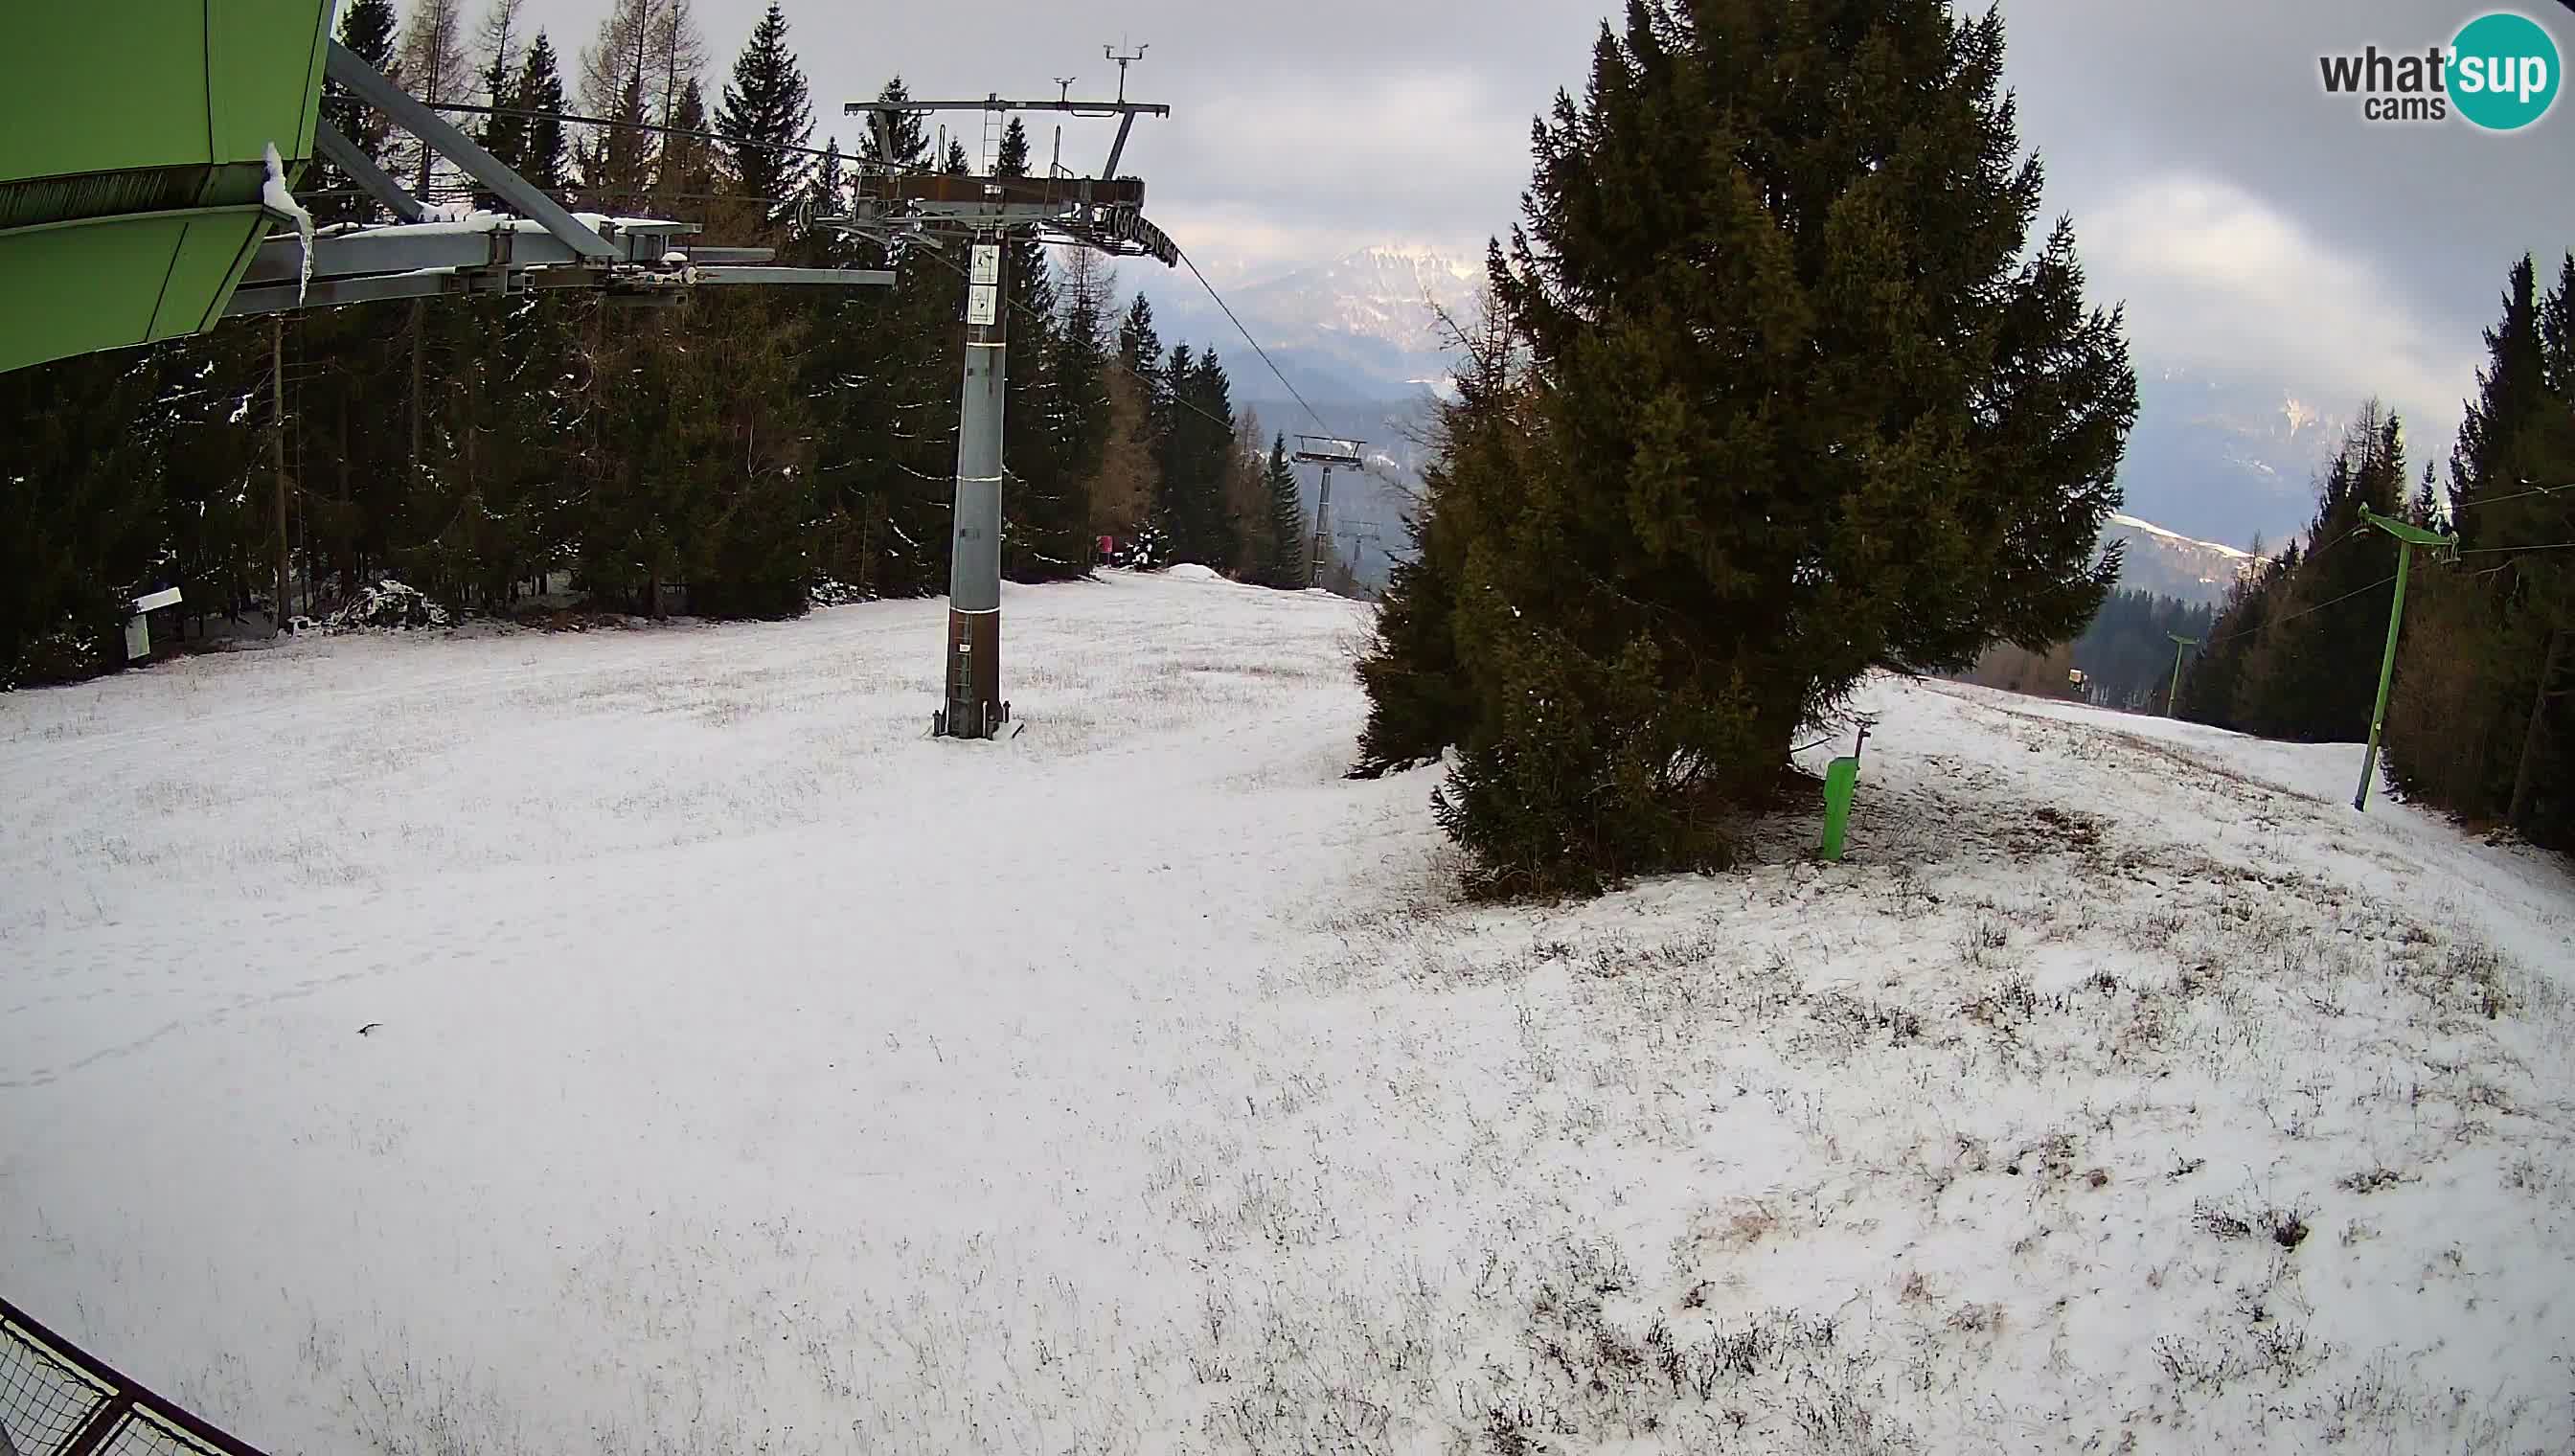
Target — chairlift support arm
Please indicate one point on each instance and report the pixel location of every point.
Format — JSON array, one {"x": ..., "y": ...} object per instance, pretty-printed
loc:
[{"x": 436, "y": 133}]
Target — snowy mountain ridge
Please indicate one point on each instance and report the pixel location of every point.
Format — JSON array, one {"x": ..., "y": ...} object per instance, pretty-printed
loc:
[
  {"x": 2151, "y": 529},
  {"x": 2169, "y": 563}
]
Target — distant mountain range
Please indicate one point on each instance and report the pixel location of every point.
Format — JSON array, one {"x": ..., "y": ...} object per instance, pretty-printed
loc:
[
  {"x": 1360, "y": 329},
  {"x": 2218, "y": 462},
  {"x": 2171, "y": 564},
  {"x": 2222, "y": 460}
]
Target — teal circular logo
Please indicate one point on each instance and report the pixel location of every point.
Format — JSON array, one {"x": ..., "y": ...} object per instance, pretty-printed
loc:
[{"x": 2503, "y": 70}]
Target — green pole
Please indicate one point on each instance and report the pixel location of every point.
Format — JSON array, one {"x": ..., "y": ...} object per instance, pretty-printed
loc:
[
  {"x": 1841, "y": 777},
  {"x": 2386, "y": 675},
  {"x": 2181, "y": 645},
  {"x": 2408, "y": 537}
]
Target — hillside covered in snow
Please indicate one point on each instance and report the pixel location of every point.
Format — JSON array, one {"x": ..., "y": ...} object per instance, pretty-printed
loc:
[{"x": 745, "y": 1071}]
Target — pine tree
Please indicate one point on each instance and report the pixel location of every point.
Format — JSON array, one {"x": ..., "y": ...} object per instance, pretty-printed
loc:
[
  {"x": 1193, "y": 431},
  {"x": 2509, "y": 389},
  {"x": 616, "y": 163},
  {"x": 504, "y": 133},
  {"x": 545, "y": 159},
  {"x": 765, "y": 108},
  {"x": 1283, "y": 553},
  {"x": 688, "y": 164},
  {"x": 619, "y": 77},
  {"x": 881, "y": 369},
  {"x": 2212, "y": 685},
  {"x": 82, "y": 496},
  {"x": 1810, "y": 404},
  {"x": 2482, "y": 717},
  {"x": 1047, "y": 510},
  {"x": 826, "y": 194},
  {"x": 1086, "y": 423},
  {"x": 2312, "y": 674},
  {"x": 2424, "y": 511},
  {"x": 1139, "y": 348},
  {"x": 367, "y": 28}
]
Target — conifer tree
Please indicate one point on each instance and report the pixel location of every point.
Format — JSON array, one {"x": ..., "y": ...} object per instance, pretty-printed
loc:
[
  {"x": 687, "y": 171},
  {"x": 826, "y": 194},
  {"x": 2312, "y": 673},
  {"x": 1419, "y": 702},
  {"x": 2509, "y": 389},
  {"x": 1079, "y": 392},
  {"x": 504, "y": 132},
  {"x": 1193, "y": 436},
  {"x": 367, "y": 28},
  {"x": 2424, "y": 511},
  {"x": 1047, "y": 511},
  {"x": 881, "y": 367},
  {"x": 767, "y": 108},
  {"x": 82, "y": 499},
  {"x": 2212, "y": 687},
  {"x": 2482, "y": 717},
  {"x": 1139, "y": 348},
  {"x": 545, "y": 159},
  {"x": 1810, "y": 404},
  {"x": 1283, "y": 544}
]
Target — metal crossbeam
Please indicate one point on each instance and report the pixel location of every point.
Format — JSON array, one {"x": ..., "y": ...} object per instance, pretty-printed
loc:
[
  {"x": 1332, "y": 450},
  {"x": 996, "y": 103},
  {"x": 267, "y": 298},
  {"x": 827, "y": 277},
  {"x": 347, "y": 157},
  {"x": 493, "y": 242},
  {"x": 434, "y": 131}
]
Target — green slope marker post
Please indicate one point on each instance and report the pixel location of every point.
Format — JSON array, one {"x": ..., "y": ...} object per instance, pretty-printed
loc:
[
  {"x": 2407, "y": 538},
  {"x": 2181, "y": 645},
  {"x": 1841, "y": 776}
]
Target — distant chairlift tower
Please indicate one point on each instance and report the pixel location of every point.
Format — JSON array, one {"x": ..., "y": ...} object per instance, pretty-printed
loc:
[
  {"x": 1329, "y": 453},
  {"x": 908, "y": 209}
]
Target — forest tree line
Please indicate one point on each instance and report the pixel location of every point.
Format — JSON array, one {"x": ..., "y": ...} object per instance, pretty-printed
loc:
[
  {"x": 2479, "y": 719},
  {"x": 2124, "y": 658},
  {"x": 730, "y": 455}
]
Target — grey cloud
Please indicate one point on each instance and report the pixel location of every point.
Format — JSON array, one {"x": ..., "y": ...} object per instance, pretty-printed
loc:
[{"x": 1309, "y": 128}]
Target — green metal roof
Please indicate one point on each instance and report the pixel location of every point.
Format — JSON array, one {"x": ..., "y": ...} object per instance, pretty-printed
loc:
[{"x": 132, "y": 151}]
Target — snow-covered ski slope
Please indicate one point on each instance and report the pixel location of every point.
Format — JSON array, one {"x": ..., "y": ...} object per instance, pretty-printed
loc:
[{"x": 749, "y": 1072}]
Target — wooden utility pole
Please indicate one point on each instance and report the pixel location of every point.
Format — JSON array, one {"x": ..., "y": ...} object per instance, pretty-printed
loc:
[{"x": 276, "y": 443}]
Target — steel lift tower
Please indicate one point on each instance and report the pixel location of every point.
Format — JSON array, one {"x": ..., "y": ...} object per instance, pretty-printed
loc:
[
  {"x": 905, "y": 209},
  {"x": 1329, "y": 453}
]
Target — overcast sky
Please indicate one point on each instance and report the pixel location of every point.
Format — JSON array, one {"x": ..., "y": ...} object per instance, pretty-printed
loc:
[{"x": 2253, "y": 226}]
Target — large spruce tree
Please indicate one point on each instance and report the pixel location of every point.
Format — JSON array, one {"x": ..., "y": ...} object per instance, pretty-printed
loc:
[
  {"x": 1808, "y": 404},
  {"x": 767, "y": 113},
  {"x": 545, "y": 158}
]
